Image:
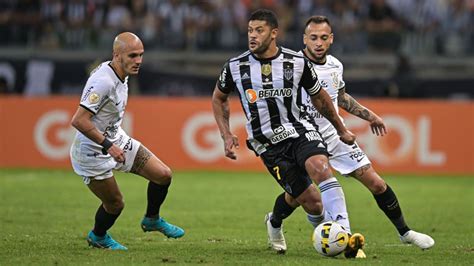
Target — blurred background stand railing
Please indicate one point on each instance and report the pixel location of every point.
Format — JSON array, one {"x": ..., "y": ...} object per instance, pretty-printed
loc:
[{"x": 172, "y": 73}]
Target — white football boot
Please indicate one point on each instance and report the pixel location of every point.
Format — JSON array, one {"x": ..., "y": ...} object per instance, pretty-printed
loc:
[
  {"x": 276, "y": 239},
  {"x": 423, "y": 241}
]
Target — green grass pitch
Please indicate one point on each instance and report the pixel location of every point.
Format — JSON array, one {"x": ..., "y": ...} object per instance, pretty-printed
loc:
[{"x": 45, "y": 216}]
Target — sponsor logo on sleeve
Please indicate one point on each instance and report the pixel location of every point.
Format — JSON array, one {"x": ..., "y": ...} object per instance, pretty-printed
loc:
[
  {"x": 312, "y": 70},
  {"x": 222, "y": 78},
  {"x": 87, "y": 93}
]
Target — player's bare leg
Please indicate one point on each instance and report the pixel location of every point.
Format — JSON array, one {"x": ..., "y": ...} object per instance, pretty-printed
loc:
[
  {"x": 112, "y": 205},
  {"x": 388, "y": 203},
  {"x": 146, "y": 164}
]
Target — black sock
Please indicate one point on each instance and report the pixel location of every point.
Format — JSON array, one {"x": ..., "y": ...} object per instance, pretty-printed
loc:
[
  {"x": 388, "y": 202},
  {"x": 156, "y": 194},
  {"x": 281, "y": 210},
  {"x": 103, "y": 221}
]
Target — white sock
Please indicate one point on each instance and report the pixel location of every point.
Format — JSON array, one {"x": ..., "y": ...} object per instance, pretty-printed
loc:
[
  {"x": 334, "y": 202},
  {"x": 315, "y": 220}
]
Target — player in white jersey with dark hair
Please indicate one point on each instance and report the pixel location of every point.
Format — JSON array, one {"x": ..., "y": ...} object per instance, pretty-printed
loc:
[
  {"x": 101, "y": 146},
  {"x": 350, "y": 160},
  {"x": 267, "y": 79}
]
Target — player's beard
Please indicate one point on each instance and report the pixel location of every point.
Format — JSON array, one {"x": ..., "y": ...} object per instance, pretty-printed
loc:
[
  {"x": 263, "y": 46},
  {"x": 315, "y": 57}
]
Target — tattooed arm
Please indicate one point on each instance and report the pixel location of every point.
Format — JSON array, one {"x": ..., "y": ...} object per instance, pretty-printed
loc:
[
  {"x": 346, "y": 102},
  {"x": 324, "y": 105}
]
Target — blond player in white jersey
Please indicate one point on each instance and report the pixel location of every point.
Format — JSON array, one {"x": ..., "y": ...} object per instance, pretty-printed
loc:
[
  {"x": 350, "y": 160},
  {"x": 101, "y": 146}
]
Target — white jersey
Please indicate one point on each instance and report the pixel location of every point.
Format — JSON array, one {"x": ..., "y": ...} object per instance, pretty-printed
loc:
[
  {"x": 344, "y": 158},
  {"x": 330, "y": 78},
  {"x": 105, "y": 95}
]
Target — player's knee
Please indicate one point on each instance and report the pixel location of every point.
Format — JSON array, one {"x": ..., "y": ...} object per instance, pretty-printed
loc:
[
  {"x": 373, "y": 181},
  {"x": 318, "y": 168},
  {"x": 313, "y": 207},
  {"x": 163, "y": 175},
  {"x": 291, "y": 201},
  {"x": 378, "y": 186},
  {"x": 116, "y": 206},
  {"x": 166, "y": 173}
]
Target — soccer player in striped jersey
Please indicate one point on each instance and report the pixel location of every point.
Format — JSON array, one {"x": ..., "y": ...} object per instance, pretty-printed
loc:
[
  {"x": 101, "y": 145},
  {"x": 350, "y": 160},
  {"x": 267, "y": 78}
]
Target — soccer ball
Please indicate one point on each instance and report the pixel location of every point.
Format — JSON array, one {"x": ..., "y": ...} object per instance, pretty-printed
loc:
[{"x": 330, "y": 239}]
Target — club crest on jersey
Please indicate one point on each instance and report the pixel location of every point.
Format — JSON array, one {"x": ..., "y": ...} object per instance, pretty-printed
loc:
[
  {"x": 288, "y": 73},
  {"x": 94, "y": 98},
  {"x": 266, "y": 69},
  {"x": 251, "y": 95}
]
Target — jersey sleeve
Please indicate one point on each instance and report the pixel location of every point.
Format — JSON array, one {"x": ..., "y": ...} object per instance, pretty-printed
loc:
[
  {"x": 225, "y": 83},
  {"x": 95, "y": 95},
  {"x": 341, "y": 84},
  {"x": 309, "y": 79}
]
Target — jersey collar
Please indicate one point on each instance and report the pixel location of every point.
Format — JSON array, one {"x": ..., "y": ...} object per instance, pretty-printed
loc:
[
  {"x": 109, "y": 64},
  {"x": 267, "y": 59}
]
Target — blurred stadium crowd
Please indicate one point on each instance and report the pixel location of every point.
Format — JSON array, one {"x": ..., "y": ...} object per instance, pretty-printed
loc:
[
  {"x": 390, "y": 48},
  {"x": 441, "y": 27}
]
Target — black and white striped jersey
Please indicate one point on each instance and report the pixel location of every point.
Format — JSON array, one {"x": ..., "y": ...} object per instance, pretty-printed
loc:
[{"x": 267, "y": 89}]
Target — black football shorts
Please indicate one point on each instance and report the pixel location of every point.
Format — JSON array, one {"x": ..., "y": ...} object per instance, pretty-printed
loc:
[{"x": 286, "y": 162}]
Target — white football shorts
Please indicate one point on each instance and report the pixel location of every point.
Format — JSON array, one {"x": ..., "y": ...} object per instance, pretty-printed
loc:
[
  {"x": 91, "y": 164},
  {"x": 345, "y": 158}
]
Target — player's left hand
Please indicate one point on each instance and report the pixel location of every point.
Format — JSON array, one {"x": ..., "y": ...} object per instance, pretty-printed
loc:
[
  {"x": 378, "y": 126},
  {"x": 230, "y": 141}
]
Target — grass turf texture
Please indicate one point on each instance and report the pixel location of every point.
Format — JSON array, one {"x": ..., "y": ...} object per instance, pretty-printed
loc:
[{"x": 45, "y": 216}]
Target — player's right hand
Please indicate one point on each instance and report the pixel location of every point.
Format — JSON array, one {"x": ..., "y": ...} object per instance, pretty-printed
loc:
[
  {"x": 117, "y": 153},
  {"x": 347, "y": 137},
  {"x": 230, "y": 141}
]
